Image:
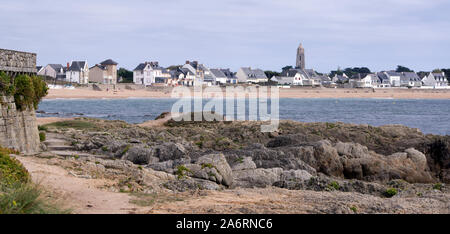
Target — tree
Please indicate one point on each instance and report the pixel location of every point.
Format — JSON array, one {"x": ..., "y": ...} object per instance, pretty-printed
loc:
[
  {"x": 286, "y": 68},
  {"x": 127, "y": 76},
  {"x": 271, "y": 74},
  {"x": 422, "y": 74},
  {"x": 403, "y": 69},
  {"x": 174, "y": 67}
]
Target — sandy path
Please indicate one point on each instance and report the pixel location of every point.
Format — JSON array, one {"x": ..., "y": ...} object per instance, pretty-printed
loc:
[{"x": 78, "y": 194}]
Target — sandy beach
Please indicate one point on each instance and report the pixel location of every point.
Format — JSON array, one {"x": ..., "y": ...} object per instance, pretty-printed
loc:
[{"x": 297, "y": 92}]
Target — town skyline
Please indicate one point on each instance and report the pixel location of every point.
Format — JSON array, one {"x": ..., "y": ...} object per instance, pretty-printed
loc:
[{"x": 234, "y": 34}]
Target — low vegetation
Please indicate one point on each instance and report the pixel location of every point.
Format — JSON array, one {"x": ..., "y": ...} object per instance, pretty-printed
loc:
[
  {"x": 76, "y": 124},
  {"x": 18, "y": 195}
]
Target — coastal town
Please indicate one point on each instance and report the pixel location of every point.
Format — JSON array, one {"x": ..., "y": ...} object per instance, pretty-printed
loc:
[{"x": 151, "y": 73}]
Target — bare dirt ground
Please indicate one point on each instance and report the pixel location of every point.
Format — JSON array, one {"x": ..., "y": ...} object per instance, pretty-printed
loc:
[
  {"x": 78, "y": 194},
  {"x": 90, "y": 196}
]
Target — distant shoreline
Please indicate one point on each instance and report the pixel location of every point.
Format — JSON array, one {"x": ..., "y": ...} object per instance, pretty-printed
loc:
[{"x": 295, "y": 92}]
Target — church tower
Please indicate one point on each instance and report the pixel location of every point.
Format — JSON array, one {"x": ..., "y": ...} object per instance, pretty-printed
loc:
[{"x": 300, "y": 57}]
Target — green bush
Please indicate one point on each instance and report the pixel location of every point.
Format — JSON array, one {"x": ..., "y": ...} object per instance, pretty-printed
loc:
[
  {"x": 24, "y": 92},
  {"x": 42, "y": 128},
  {"x": 11, "y": 170},
  {"x": 40, "y": 90},
  {"x": 27, "y": 91},
  {"x": 437, "y": 186},
  {"x": 182, "y": 171},
  {"x": 6, "y": 86},
  {"x": 17, "y": 194},
  {"x": 334, "y": 185},
  {"x": 391, "y": 192},
  {"x": 42, "y": 136}
]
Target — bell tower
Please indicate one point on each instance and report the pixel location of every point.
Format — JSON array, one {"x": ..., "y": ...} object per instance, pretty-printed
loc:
[{"x": 300, "y": 63}]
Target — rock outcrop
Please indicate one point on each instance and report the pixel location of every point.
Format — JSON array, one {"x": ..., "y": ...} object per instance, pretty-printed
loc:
[{"x": 18, "y": 129}]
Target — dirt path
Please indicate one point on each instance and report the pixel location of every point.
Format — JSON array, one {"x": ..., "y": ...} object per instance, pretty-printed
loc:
[{"x": 78, "y": 194}]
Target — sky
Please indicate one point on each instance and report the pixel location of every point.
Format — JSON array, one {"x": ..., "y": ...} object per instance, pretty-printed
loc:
[{"x": 262, "y": 34}]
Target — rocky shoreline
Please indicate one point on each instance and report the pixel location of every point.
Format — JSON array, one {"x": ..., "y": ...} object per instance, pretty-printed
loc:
[{"x": 177, "y": 157}]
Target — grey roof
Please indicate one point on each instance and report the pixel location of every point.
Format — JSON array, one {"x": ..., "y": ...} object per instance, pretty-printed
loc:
[
  {"x": 77, "y": 65},
  {"x": 410, "y": 76},
  {"x": 218, "y": 73},
  {"x": 438, "y": 75},
  {"x": 254, "y": 73},
  {"x": 310, "y": 72},
  {"x": 56, "y": 67},
  {"x": 291, "y": 72},
  {"x": 393, "y": 73},
  {"x": 382, "y": 76},
  {"x": 186, "y": 71},
  {"x": 228, "y": 73},
  {"x": 140, "y": 67},
  {"x": 108, "y": 62},
  {"x": 99, "y": 66}
]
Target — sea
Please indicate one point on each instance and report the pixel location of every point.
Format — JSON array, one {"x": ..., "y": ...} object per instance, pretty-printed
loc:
[{"x": 429, "y": 115}]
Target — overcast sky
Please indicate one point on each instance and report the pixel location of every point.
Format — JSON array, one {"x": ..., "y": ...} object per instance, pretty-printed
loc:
[{"x": 379, "y": 34}]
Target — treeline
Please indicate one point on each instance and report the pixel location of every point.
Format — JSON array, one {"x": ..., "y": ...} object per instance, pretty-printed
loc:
[{"x": 28, "y": 91}]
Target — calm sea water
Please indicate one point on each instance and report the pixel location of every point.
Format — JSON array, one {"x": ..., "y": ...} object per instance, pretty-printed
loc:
[{"x": 430, "y": 116}]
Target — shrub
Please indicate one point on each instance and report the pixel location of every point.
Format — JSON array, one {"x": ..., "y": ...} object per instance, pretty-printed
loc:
[
  {"x": 6, "y": 86},
  {"x": 24, "y": 92},
  {"x": 42, "y": 136},
  {"x": 40, "y": 90},
  {"x": 27, "y": 91},
  {"x": 391, "y": 192},
  {"x": 437, "y": 186},
  {"x": 207, "y": 165},
  {"x": 17, "y": 194},
  {"x": 11, "y": 170},
  {"x": 334, "y": 185},
  {"x": 182, "y": 171},
  {"x": 42, "y": 128}
]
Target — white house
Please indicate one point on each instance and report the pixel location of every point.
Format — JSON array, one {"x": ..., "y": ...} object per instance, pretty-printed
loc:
[
  {"x": 369, "y": 81},
  {"x": 394, "y": 78},
  {"x": 435, "y": 79},
  {"x": 283, "y": 80},
  {"x": 147, "y": 73},
  {"x": 219, "y": 76},
  {"x": 78, "y": 72},
  {"x": 249, "y": 75},
  {"x": 410, "y": 79}
]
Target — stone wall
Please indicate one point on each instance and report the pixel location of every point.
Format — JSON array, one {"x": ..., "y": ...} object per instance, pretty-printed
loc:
[
  {"x": 18, "y": 129},
  {"x": 17, "y": 62}
]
